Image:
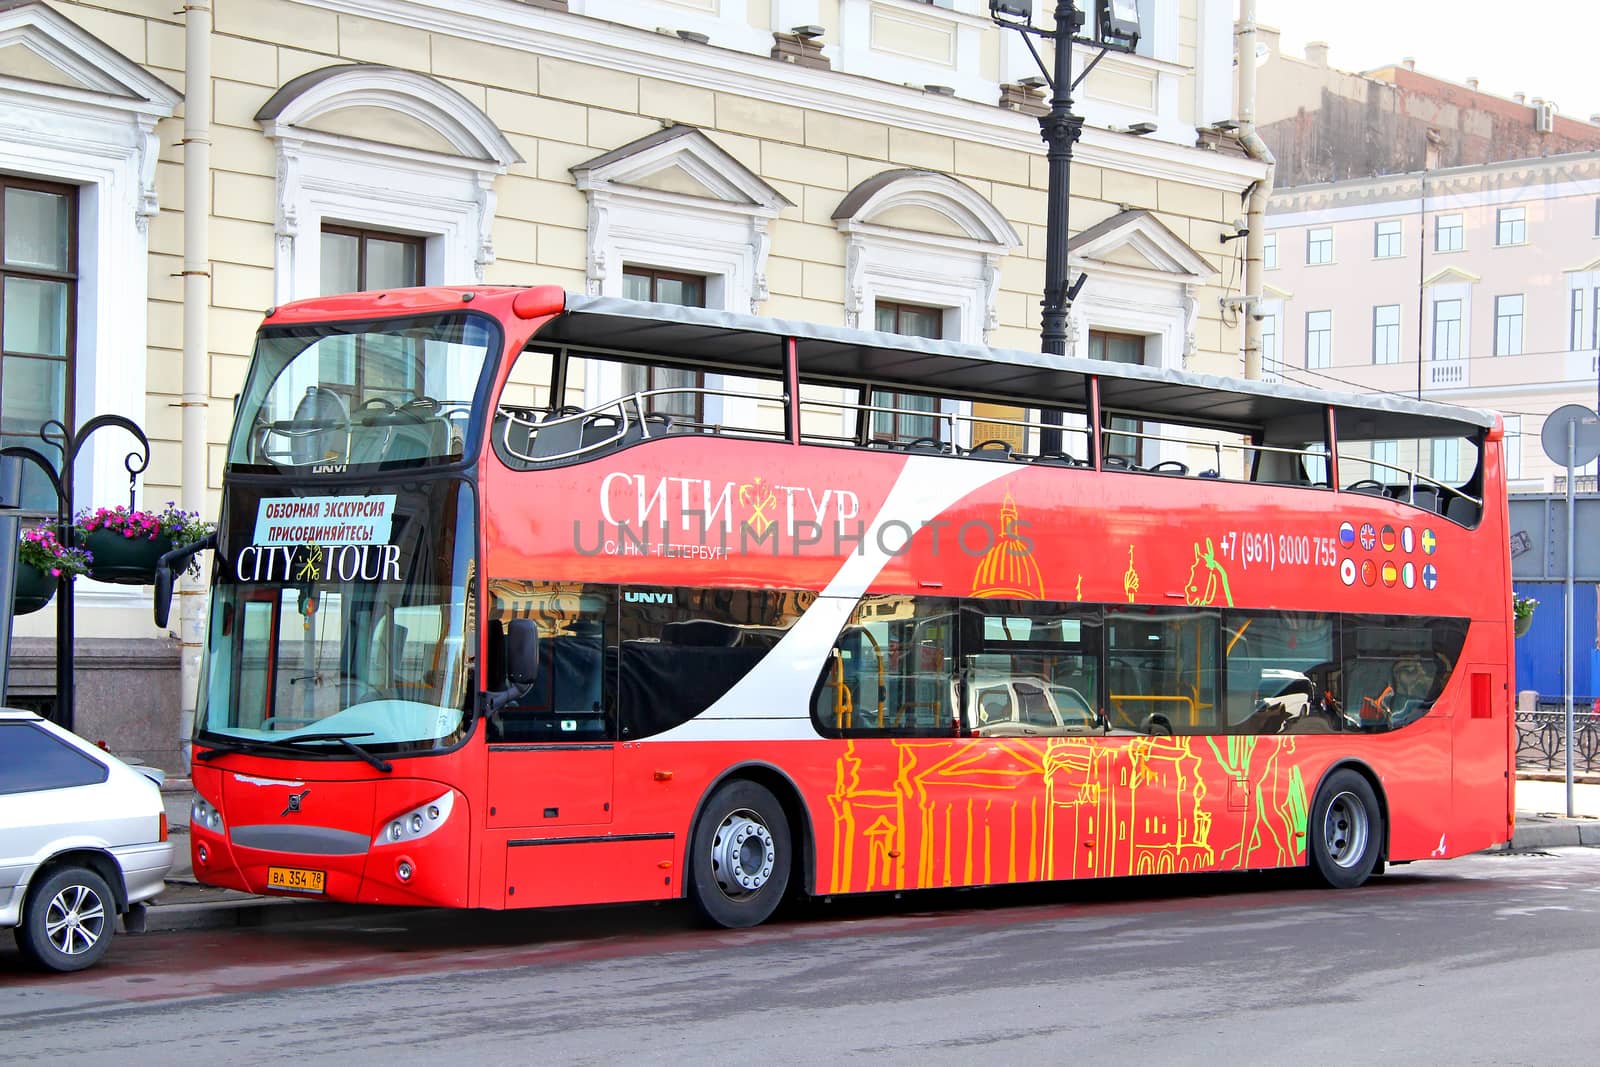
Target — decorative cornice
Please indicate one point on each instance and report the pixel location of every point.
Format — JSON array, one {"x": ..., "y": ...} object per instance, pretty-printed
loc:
[
  {"x": 109, "y": 79},
  {"x": 640, "y": 52}
]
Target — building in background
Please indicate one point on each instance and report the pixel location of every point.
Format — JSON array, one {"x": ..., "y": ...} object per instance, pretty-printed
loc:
[
  {"x": 1326, "y": 125},
  {"x": 872, "y": 163},
  {"x": 1453, "y": 273}
]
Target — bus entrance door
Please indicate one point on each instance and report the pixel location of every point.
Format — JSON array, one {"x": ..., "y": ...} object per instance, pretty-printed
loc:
[
  {"x": 1481, "y": 738},
  {"x": 535, "y": 786}
]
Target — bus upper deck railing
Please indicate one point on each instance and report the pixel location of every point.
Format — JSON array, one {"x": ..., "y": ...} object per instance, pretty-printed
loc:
[{"x": 548, "y": 437}]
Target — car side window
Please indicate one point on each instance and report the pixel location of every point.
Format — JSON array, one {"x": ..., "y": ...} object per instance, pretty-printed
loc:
[{"x": 31, "y": 759}]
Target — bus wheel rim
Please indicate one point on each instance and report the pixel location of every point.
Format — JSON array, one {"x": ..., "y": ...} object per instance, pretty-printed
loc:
[
  {"x": 742, "y": 853},
  {"x": 1345, "y": 828}
]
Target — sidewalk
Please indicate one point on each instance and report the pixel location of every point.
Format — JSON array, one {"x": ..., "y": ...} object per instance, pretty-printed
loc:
[{"x": 1542, "y": 822}]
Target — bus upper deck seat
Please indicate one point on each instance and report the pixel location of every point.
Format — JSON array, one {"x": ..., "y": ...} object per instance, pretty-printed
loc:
[{"x": 559, "y": 433}]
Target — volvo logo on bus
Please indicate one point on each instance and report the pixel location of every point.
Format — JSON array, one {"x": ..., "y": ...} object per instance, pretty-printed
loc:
[
  {"x": 293, "y": 807},
  {"x": 633, "y": 597}
]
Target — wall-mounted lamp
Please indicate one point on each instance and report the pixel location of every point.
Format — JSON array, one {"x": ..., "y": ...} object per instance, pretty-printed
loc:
[
  {"x": 1032, "y": 81},
  {"x": 807, "y": 32},
  {"x": 1142, "y": 128}
]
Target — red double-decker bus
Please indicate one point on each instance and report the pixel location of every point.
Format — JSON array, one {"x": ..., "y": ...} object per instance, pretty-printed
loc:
[{"x": 522, "y": 598}]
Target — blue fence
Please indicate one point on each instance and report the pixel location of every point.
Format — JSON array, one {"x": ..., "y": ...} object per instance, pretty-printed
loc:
[{"x": 1540, "y": 652}]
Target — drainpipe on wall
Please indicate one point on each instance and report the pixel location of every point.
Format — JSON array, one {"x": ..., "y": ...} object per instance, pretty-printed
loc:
[
  {"x": 196, "y": 308},
  {"x": 1256, "y": 213}
]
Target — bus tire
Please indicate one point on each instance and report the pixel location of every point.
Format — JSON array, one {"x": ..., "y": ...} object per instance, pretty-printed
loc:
[
  {"x": 739, "y": 856},
  {"x": 1346, "y": 831}
]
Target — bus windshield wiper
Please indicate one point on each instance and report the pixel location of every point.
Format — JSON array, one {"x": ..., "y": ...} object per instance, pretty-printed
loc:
[
  {"x": 343, "y": 739},
  {"x": 291, "y": 744}
]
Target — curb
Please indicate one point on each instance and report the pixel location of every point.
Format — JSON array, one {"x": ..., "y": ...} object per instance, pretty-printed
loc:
[{"x": 241, "y": 910}]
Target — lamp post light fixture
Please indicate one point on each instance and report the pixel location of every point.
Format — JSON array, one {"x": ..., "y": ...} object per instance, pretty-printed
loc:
[{"x": 1116, "y": 30}]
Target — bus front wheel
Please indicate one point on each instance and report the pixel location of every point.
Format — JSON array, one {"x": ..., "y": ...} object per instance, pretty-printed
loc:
[
  {"x": 739, "y": 856},
  {"x": 1346, "y": 830}
]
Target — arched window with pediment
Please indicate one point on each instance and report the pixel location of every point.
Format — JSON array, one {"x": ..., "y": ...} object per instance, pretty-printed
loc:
[{"x": 386, "y": 153}]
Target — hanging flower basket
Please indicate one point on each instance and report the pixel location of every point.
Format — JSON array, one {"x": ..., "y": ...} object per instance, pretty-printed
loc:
[
  {"x": 41, "y": 560},
  {"x": 122, "y": 559},
  {"x": 34, "y": 589},
  {"x": 1522, "y": 612},
  {"x": 127, "y": 544}
]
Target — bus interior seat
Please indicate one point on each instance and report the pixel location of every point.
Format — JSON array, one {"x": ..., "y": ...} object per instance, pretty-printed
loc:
[
  {"x": 1425, "y": 497},
  {"x": 1368, "y": 486},
  {"x": 1209, "y": 473},
  {"x": 1060, "y": 459},
  {"x": 994, "y": 448},
  {"x": 1169, "y": 467},
  {"x": 926, "y": 444},
  {"x": 1461, "y": 510},
  {"x": 1117, "y": 462},
  {"x": 559, "y": 434},
  {"x": 600, "y": 429}
]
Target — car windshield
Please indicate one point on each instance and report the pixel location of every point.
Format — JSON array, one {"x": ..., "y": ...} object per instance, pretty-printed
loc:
[
  {"x": 341, "y": 616},
  {"x": 335, "y": 396}
]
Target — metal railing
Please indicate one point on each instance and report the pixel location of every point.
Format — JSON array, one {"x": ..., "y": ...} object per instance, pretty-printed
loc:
[
  {"x": 1542, "y": 736},
  {"x": 631, "y": 416}
]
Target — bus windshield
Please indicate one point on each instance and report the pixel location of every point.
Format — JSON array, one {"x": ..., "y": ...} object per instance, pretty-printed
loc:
[
  {"x": 341, "y": 613},
  {"x": 328, "y": 397}
]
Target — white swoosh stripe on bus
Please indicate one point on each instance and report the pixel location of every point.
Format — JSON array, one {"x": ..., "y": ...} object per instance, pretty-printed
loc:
[{"x": 773, "y": 701}]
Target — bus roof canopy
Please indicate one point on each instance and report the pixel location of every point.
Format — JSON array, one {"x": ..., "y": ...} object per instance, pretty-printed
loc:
[{"x": 927, "y": 365}]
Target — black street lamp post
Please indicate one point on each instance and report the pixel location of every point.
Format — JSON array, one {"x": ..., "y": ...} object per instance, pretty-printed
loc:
[{"x": 1117, "y": 28}]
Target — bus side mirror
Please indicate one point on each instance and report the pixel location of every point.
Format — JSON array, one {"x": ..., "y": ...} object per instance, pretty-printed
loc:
[
  {"x": 175, "y": 560},
  {"x": 522, "y": 651}
]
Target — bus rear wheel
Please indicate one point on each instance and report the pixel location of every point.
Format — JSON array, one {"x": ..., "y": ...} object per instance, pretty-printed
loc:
[
  {"x": 739, "y": 856},
  {"x": 1346, "y": 831}
]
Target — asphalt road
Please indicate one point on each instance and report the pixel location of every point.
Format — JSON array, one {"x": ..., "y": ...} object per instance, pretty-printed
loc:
[{"x": 1490, "y": 959}]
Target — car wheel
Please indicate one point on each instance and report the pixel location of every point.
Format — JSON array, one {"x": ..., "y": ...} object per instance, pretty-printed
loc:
[
  {"x": 1346, "y": 830},
  {"x": 68, "y": 920},
  {"x": 739, "y": 856}
]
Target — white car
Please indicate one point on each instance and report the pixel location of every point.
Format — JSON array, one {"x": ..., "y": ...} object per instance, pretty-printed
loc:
[{"x": 83, "y": 838}]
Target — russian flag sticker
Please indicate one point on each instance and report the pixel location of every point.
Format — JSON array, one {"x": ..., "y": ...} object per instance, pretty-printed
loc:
[{"x": 1347, "y": 534}]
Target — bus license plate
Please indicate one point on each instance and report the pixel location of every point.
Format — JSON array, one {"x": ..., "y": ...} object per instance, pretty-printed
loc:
[{"x": 296, "y": 879}]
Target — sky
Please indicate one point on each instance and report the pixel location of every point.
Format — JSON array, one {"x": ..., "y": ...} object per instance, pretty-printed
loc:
[{"x": 1542, "y": 48}]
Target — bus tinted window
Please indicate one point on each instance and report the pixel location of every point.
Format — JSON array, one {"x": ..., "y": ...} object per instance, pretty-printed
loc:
[
  {"x": 1280, "y": 671},
  {"x": 573, "y": 698},
  {"x": 1161, "y": 670},
  {"x": 1030, "y": 669},
  {"x": 891, "y": 670},
  {"x": 1396, "y": 666},
  {"x": 681, "y": 650}
]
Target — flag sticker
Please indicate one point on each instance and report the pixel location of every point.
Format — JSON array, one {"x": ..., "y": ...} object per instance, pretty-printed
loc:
[
  {"x": 1429, "y": 542},
  {"x": 1430, "y": 575},
  {"x": 1369, "y": 536},
  {"x": 1347, "y": 570},
  {"x": 1386, "y": 538},
  {"x": 1390, "y": 573},
  {"x": 1408, "y": 575},
  {"x": 1347, "y": 534},
  {"x": 1408, "y": 540},
  {"x": 1369, "y": 572}
]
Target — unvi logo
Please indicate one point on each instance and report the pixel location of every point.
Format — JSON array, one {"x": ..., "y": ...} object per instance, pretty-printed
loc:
[{"x": 642, "y": 597}]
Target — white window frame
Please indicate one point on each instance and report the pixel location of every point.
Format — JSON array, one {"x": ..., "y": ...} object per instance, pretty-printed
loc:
[
  {"x": 1394, "y": 237},
  {"x": 1456, "y": 226},
  {"x": 1269, "y": 252},
  {"x": 446, "y": 198},
  {"x": 101, "y": 138},
  {"x": 1319, "y": 246},
  {"x": 1453, "y": 330},
  {"x": 888, "y": 262},
  {"x": 1510, "y": 327},
  {"x": 1271, "y": 312},
  {"x": 1510, "y": 226},
  {"x": 722, "y": 235},
  {"x": 1389, "y": 352},
  {"x": 1513, "y": 445},
  {"x": 1319, "y": 356}
]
